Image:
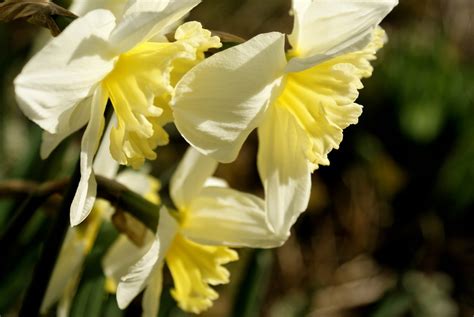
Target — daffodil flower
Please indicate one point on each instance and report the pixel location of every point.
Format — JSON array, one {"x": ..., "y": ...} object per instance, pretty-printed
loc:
[
  {"x": 193, "y": 240},
  {"x": 67, "y": 84},
  {"x": 300, "y": 100}
]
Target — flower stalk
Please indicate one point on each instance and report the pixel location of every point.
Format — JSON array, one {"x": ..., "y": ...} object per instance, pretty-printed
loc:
[{"x": 117, "y": 194}]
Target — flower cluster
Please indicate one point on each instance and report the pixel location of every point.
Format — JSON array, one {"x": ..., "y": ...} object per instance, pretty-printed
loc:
[{"x": 120, "y": 56}]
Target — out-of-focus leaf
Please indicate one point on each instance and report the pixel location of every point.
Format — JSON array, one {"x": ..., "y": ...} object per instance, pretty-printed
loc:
[
  {"x": 458, "y": 172},
  {"x": 254, "y": 284},
  {"x": 393, "y": 305},
  {"x": 38, "y": 12},
  {"x": 422, "y": 120}
]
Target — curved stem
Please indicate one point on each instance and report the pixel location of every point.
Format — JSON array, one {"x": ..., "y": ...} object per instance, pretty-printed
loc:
[{"x": 117, "y": 194}]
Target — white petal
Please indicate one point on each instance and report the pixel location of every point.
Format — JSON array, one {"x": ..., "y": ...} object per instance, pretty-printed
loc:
[
  {"x": 215, "y": 182},
  {"x": 328, "y": 28},
  {"x": 138, "y": 6},
  {"x": 137, "y": 278},
  {"x": 139, "y": 274},
  {"x": 223, "y": 216},
  {"x": 284, "y": 169},
  {"x": 122, "y": 255},
  {"x": 221, "y": 100},
  {"x": 86, "y": 190},
  {"x": 190, "y": 176},
  {"x": 66, "y": 70},
  {"x": 136, "y": 181},
  {"x": 70, "y": 121},
  {"x": 152, "y": 294},
  {"x": 104, "y": 164},
  {"x": 144, "y": 18},
  {"x": 81, "y": 7}
]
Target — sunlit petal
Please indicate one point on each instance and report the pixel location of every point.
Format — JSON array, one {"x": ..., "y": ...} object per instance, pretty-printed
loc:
[
  {"x": 190, "y": 176},
  {"x": 221, "y": 100},
  {"x": 322, "y": 98},
  {"x": 144, "y": 18},
  {"x": 66, "y": 71},
  {"x": 284, "y": 169},
  {"x": 237, "y": 219},
  {"x": 327, "y": 28}
]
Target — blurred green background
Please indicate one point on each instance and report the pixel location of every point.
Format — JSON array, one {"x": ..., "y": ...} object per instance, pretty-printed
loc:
[{"x": 389, "y": 230}]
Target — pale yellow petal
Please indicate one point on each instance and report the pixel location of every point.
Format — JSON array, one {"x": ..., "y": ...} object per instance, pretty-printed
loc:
[
  {"x": 284, "y": 169},
  {"x": 237, "y": 219},
  {"x": 190, "y": 177},
  {"x": 220, "y": 101},
  {"x": 152, "y": 294},
  {"x": 140, "y": 89}
]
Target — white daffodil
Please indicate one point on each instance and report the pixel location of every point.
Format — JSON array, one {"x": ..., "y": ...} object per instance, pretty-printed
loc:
[
  {"x": 300, "y": 101},
  {"x": 193, "y": 240},
  {"x": 67, "y": 84}
]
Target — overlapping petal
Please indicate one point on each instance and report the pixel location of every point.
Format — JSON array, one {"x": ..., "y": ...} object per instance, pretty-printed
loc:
[
  {"x": 104, "y": 164},
  {"x": 237, "y": 220},
  {"x": 151, "y": 296},
  {"x": 326, "y": 28},
  {"x": 221, "y": 100},
  {"x": 139, "y": 274},
  {"x": 190, "y": 176},
  {"x": 143, "y": 19},
  {"x": 86, "y": 191},
  {"x": 69, "y": 122},
  {"x": 137, "y": 278},
  {"x": 284, "y": 169},
  {"x": 66, "y": 71},
  {"x": 121, "y": 256}
]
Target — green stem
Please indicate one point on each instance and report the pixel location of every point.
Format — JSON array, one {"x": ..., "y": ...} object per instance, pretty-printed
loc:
[
  {"x": 119, "y": 195},
  {"x": 51, "y": 248}
]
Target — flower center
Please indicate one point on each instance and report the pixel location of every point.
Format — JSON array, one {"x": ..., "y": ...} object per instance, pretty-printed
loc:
[
  {"x": 140, "y": 87},
  {"x": 322, "y": 99}
]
